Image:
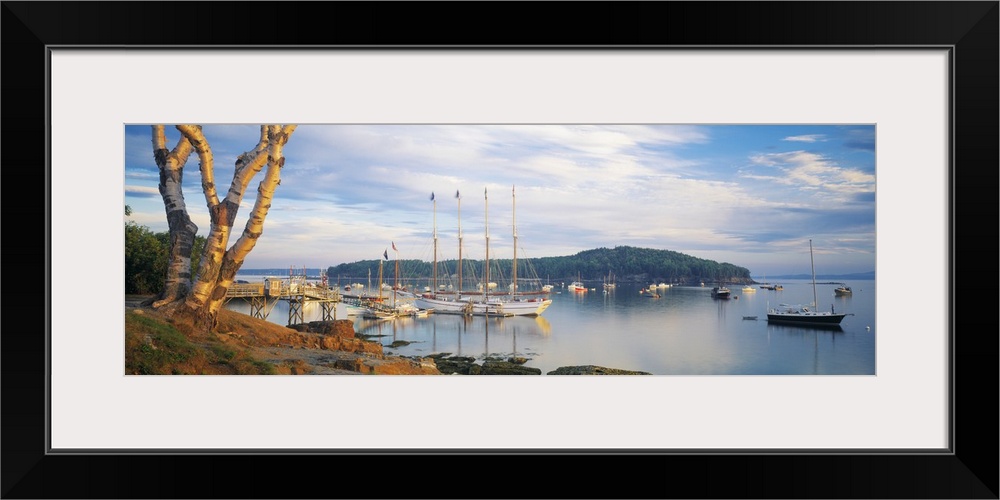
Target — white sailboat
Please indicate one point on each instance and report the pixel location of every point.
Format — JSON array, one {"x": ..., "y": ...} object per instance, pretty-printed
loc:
[
  {"x": 609, "y": 283},
  {"x": 801, "y": 315},
  {"x": 402, "y": 300},
  {"x": 375, "y": 308},
  {"x": 485, "y": 304}
]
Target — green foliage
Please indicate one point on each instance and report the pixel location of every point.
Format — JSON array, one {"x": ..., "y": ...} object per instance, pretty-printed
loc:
[
  {"x": 224, "y": 353},
  {"x": 145, "y": 260},
  {"x": 197, "y": 247},
  {"x": 249, "y": 366},
  {"x": 146, "y": 257},
  {"x": 624, "y": 263}
]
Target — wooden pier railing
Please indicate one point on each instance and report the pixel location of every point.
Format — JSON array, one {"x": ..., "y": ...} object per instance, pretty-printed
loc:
[{"x": 263, "y": 297}]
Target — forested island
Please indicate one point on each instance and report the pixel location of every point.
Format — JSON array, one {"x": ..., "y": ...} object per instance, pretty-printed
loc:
[{"x": 619, "y": 264}]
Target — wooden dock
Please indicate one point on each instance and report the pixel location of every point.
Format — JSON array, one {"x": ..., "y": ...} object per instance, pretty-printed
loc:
[{"x": 264, "y": 295}]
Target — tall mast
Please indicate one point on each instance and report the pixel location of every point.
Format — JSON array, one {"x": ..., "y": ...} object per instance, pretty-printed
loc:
[
  {"x": 813, "y": 265},
  {"x": 513, "y": 198},
  {"x": 486, "y": 218},
  {"x": 435, "y": 244},
  {"x": 395, "y": 275},
  {"x": 380, "y": 277},
  {"x": 459, "y": 198}
]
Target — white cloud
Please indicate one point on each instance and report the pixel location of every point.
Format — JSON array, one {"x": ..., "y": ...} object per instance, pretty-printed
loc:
[
  {"x": 347, "y": 191},
  {"x": 141, "y": 191},
  {"x": 812, "y": 171},
  {"x": 806, "y": 138}
]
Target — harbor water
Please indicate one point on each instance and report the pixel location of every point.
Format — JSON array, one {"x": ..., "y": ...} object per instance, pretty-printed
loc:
[{"x": 685, "y": 331}]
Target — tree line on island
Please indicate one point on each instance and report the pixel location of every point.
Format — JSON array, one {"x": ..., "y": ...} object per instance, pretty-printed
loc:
[{"x": 620, "y": 264}]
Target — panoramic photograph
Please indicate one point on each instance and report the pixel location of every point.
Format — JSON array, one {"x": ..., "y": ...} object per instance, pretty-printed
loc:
[{"x": 500, "y": 249}]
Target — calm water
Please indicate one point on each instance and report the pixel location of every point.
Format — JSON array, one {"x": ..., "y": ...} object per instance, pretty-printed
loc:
[{"x": 684, "y": 332}]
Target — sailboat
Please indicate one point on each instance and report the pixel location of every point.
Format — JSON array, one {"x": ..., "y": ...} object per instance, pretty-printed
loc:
[
  {"x": 609, "y": 283},
  {"x": 804, "y": 315},
  {"x": 403, "y": 300},
  {"x": 375, "y": 308},
  {"x": 766, "y": 285},
  {"x": 484, "y": 305}
]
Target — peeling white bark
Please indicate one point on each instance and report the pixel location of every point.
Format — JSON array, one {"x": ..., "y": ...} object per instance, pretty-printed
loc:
[
  {"x": 177, "y": 282},
  {"x": 203, "y": 296},
  {"x": 276, "y": 137}
]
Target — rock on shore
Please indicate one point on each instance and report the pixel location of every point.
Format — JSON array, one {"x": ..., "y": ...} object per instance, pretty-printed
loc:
[
  {"x": 326, "y": 345},
  {"x": 593, "y": 370}
]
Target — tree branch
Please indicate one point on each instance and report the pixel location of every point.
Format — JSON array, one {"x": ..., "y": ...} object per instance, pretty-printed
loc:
[
  {"x": 277, "y": 137},
  {"x": 206, "y": 165}
]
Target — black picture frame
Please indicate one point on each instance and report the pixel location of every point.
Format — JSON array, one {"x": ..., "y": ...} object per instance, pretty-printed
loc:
[{"x": 969, "y": 28}]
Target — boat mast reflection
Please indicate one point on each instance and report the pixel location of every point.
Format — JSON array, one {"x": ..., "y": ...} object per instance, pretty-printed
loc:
[{"x": 802, "y": 330}]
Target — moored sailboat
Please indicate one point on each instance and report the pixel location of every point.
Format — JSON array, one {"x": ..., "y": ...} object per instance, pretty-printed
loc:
[
  {"x": 375, "y": 307},
  {"x": 609, "y": 282},
  {"x": 484, "y": 304},
  {"x": 803, "y": 315}
]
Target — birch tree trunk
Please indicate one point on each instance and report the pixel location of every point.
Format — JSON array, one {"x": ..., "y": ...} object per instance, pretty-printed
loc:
[
  {"x": 217, "y": 269},
  {"x": 177, "y": 282}
]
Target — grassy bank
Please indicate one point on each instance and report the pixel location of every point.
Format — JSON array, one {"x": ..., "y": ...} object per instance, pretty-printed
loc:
[{"x": 154, "y": 346}]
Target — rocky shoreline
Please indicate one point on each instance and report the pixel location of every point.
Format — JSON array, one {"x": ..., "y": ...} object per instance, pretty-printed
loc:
[
  {"x": 334, "y": 348},
  {"x": 447, "y": 364}
]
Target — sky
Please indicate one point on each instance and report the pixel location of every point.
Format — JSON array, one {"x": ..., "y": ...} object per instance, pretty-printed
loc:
[{"x": 749, "y": 195}]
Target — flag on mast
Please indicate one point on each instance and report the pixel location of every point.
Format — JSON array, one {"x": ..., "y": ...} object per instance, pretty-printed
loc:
[
  {"x": 432, "y": 195},
  {"x": 394, "y": 247},
  {"x": 456, "y": 194},
  {"x": 385, "y": 254}
]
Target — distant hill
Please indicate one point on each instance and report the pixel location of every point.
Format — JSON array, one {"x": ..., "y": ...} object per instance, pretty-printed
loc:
[
  {"x": 281, "y": 272},
  {"x": 622, "y": 263},
  {"x": 870, "y": 275}
]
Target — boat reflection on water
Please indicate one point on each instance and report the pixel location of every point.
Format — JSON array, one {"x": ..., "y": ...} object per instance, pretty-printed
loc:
[
  {"x": 797, "y": 329},
  {"x": 828, "y": 333},
  {"x": 467, "y": 335},
  {"x": 682, "y": 333}
]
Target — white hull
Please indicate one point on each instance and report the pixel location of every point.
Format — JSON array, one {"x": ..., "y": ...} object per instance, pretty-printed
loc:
[
  {"x": 378, "y": 315},
  {"x": 493, "y": 307}
]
